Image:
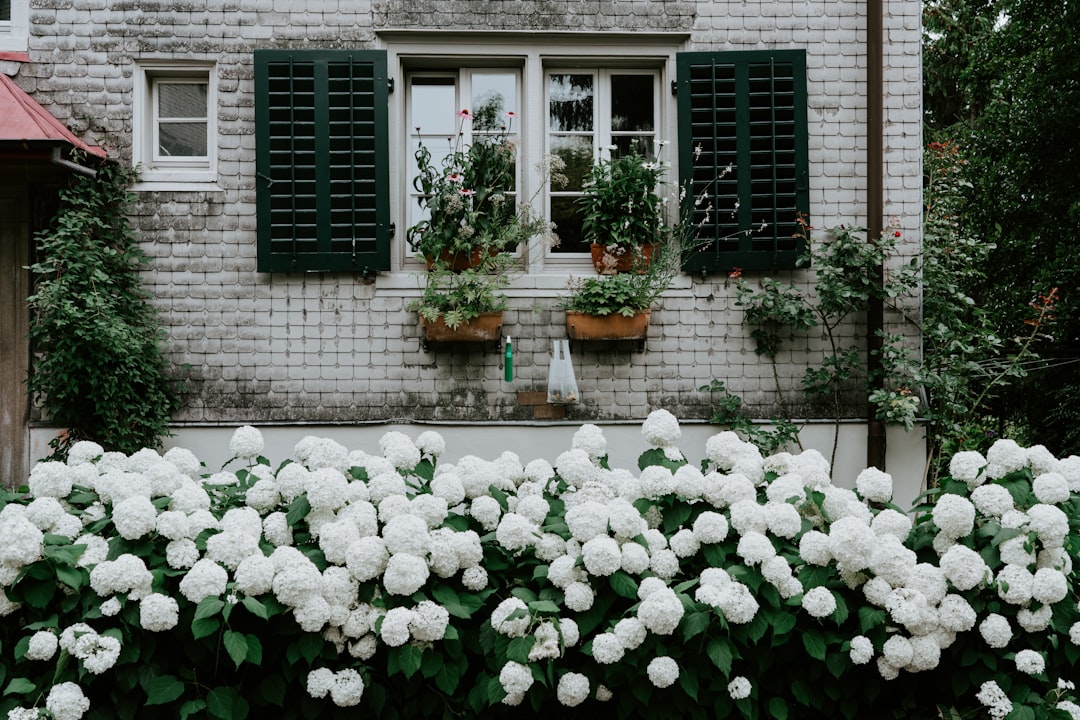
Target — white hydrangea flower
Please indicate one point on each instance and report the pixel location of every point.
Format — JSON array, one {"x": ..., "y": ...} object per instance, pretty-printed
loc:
[
  {"x": 1070, "y": 468},
  {"x": 925, "y": 653},
  {"x": 486, "y": 511},
  {"x": 405, "y": 574},
  {"x": 1051, "y": 488},
  {"x": 181, "y": 554},
  {"x": 1015, "y": 584},
  {"x": 748, "y": 516},
  {"x": 399, "y": 449},
  {"x": 862, "y": 650},
  {"x": 602, "y": 555},
  {"x": 995, "y": 630},
  {"x": 579, "y": 596},
  {"x": 516, "y": 532},
  {"x": 51, "y": 478},
  {"x": 755, "y": 548},
  {"x": 875, "y": 485},
  {"x": 511, "y": 627},
  {"x": 661, "y": 429},
  {"x": 1030, "y": 662},
  {"x": 897, "y": 651},
  {"x": 276, "y": 529},
  {"x": 546, "y": 646},
  {"x": 66, "y": 701},
  {"x": 319, "y": 682},
  {"x": 969, "y": 467},
  {"x": 20, "y": 540},
  {"x": 851, "y": 543},
  {"x": 246, "y": 442},
  {"x": 994, "y": 700},
  {"x": 724, "y": 449},
  {"x": 607, "y": 648},
  {"x": 111, "y": 607},
  {"x": 891, "y": 522},
  {"x": 98, "y": 653},
  {"x": 660, "y": 611},
  {"x": 431, "y": 443},
  {"x": 814, "y": 548},
  {"x": 205, "y": 579},
  {"x": 1003, "y": 457},
  {"x": 710, "y": 527},
  {"x": 1050, "y": 523},
  {"x": 1049, "y": 586},
  {"x": 783, "y": 520},
  {"x": 158, "y": 612},
  {"x": 739, "y": 688},
  {"x": 954, "y": 515},
  {"x": 590, "y": 438},
  {"x": 684, "y": 543},
  {"x": 663, "y": 671},
  {"x": 1069, "y": 707},
  {"x": 42, "y": 646},
  {"x": 448, "y": 486},
  {"x": 1035, "y": 621},
  {"x": 516, "y": 679},
  {"x": 573, "y": 689},
  {"x": 992, "y": 499},
  {"x": 126, "y": 574},
  {"x": 254, "y": 575},
  {"x": 956, "y": 614},
  {"x": 819, "y": 602}
]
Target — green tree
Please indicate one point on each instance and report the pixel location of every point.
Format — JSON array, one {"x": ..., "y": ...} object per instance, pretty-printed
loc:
[
  {"x": 98, "y": 370},
  {"x": 1002, "y": 80}
]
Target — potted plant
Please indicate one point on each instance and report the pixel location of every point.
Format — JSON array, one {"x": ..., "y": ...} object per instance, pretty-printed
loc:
[
  {"x": 623, "y": 216},
  {"x": 466, "y": 305},
  {"x": 472, "y": 211}
]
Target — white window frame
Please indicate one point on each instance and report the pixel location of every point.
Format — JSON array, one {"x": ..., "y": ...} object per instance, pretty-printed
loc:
[
  {"x": 535, "y": 54},
  {"x": 602, "y": 134},
  {"x": 162, "y": 172},
  {"x": 15, "y": 33}
]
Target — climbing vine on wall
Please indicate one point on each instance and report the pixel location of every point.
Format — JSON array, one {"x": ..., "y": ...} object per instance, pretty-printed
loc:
[{"x": 98, "y": 369}]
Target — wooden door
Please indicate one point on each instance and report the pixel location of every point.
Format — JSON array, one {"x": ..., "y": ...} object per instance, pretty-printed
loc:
[{"x": 14, "y": 346}]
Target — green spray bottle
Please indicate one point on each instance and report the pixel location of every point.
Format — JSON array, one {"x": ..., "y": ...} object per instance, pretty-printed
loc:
[{"x": 508, "y": 360}]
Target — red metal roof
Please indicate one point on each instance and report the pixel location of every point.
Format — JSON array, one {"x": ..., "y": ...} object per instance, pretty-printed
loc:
[{"x": 23, "y": 119}]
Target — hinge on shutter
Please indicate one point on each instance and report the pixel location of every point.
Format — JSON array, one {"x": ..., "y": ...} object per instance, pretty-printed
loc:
[
  {"x": 389, "y": 85},
  {"x": 675, "y": 87}
]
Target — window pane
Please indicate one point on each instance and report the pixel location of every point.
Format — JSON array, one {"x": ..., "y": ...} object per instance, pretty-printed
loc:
[
  {"x": 570, "y": 103},
  {"x": 567, "y": 218},
  {"x": 577, "y": 154},
  {"x": 434, "y": 110},
  {"x": 181, "y": 100},
  {"x": 5, "y": 10},
  {"x": 493, "y": 96},
  {"x": 632, "y": 103},
  {"x": 182, "y": 139}
]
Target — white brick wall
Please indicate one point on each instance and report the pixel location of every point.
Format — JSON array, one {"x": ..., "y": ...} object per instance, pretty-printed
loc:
[{"x": 327, "y": 348}]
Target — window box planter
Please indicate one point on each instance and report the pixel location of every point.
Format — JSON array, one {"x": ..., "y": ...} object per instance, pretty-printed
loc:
[
  {"x": 582, "y": 326},
  {"x": 620, "y": 261},
  {"x": 487, "y": 327},
  {"x": 459, "y": 260}
]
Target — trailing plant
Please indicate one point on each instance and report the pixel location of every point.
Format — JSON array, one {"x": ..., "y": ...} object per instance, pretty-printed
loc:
[
  {"x": 458, "y": 297},
  {"x": 781, "y": 433},
  {"x": 386, "y": 582},
  {"x": 848, "y": 275},
  {"x": 97, "y": 370}
]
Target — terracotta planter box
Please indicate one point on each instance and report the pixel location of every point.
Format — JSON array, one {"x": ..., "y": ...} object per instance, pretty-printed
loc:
[
  {"x": 485, "y": 328},
  {"x": 582, "y": 326},
  {"x": 462, "y": 260},
  {"x": 623, "y": 262}
]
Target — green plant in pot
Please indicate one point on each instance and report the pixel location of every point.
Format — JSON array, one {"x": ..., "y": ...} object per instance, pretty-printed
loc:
[
  {"x": 623, "y": 214},
  {"x": 469, "y": 198},
  {"x": 457, "y": 297}
]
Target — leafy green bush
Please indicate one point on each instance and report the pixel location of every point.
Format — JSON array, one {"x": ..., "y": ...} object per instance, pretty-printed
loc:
[
  {"x": 142, "y": 587},
  {"x": 97, "y": 370}
]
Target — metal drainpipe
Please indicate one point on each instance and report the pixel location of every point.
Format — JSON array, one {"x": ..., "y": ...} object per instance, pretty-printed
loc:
[{"x": 875, "y": 311}]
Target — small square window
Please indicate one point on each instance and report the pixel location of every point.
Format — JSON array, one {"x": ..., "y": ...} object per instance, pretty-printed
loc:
[
  {"x": 14, "y": 25},
  {"x": 175, "y": 126}
]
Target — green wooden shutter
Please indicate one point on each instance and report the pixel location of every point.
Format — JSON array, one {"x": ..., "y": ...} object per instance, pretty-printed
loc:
[
  {"x": 322, "y": 197},
  {"x": 745, "y": 110}
]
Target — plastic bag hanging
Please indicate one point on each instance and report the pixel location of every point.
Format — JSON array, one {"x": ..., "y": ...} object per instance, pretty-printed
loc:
[{"x": 562, "y": 385}]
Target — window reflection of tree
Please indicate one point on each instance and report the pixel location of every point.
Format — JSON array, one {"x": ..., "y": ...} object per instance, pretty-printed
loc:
[
  {"x": 489, "y": 111},
  {"x": 571, "y": 103}
]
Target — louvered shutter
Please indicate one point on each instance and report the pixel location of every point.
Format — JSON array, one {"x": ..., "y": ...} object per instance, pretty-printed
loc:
[
  {"x": 323, "y": 199},
  {"x": 745, "y": 110}
]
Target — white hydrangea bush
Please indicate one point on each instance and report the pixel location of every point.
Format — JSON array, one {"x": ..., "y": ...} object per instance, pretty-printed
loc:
[{"x": 145, "y": 586}]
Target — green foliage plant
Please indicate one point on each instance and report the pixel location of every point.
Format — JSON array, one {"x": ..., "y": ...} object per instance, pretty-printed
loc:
[
  {"x": 469, "y": 195},
  {"x": 623, "y": 205},
  {"x": 847, "y": 267},
  {"x": 384, "y": 582},
  {"x": 460, "y": 296},
  {"x": 98, "y": 370}
]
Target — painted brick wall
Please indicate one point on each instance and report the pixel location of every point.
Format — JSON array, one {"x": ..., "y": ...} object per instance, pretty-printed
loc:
[{"x": 324, "y": 348}]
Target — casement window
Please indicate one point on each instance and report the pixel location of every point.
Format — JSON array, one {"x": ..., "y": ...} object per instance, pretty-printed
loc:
[
  {"x": 321, "y": 161},
  {"x": 324, "y": 146},
  {"x": 14, "y": 25},
  {"x": 743, "y": 155},
  {"x": 435, "y": 102},
  {"x": 175, "y": 124},
  {"x": 592, "y": 114}
]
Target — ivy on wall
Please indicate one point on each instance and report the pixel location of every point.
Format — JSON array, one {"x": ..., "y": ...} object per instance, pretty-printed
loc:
[{"x": 98, "y": 369}]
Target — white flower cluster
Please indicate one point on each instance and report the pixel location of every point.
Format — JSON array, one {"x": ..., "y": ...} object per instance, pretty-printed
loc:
[{"x": 379, "y": 531}]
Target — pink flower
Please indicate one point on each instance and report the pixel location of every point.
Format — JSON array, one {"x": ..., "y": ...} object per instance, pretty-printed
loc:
[
  {"x": 464, "y": 114},
  {"x": 455, "y": 177}
]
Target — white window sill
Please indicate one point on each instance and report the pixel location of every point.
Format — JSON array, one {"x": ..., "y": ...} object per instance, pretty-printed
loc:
[{"x": 546, "y": 284}]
